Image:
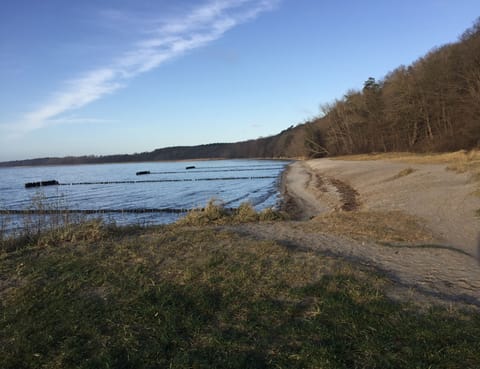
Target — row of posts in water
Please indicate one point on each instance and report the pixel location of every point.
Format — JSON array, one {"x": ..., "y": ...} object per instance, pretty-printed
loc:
[{"x": 54, "y": 182}]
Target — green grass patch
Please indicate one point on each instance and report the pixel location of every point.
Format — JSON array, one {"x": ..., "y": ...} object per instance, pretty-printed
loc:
[{"x": 193, "y": 297}]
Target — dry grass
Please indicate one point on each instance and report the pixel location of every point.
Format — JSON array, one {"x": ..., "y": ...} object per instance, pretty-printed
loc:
[
  {"x": 184, "y": 297},
  {"x": 459, "y": 161},
  {"x": 394, "y": 226},
  {"x": 402, "y": 173},
  {"x": 216, "y": 214}
]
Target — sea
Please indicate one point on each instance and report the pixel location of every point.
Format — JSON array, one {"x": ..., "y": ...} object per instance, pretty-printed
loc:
[{"x": 137, "y": 193}]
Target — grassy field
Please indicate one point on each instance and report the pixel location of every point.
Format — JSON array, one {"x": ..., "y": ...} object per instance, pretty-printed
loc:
[{"x": 183, "y": 296}]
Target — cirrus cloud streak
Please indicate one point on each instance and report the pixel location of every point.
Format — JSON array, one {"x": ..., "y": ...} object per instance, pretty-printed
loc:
[{"x": 169, "y": 39}]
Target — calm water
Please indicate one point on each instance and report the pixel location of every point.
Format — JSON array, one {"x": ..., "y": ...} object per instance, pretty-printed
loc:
[{"x": 171, "y": 186}]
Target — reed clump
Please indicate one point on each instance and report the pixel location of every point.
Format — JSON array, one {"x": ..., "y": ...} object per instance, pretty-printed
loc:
[
  {"x": 46, "y": 222},
  {"x": 216, "y": 213}
]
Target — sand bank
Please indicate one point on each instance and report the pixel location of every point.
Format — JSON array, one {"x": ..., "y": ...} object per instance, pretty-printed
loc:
[{"x": 415, "y": 222}]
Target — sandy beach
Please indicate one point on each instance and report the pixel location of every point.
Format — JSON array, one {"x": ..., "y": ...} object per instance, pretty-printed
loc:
[{"x": 415, "y": 222}]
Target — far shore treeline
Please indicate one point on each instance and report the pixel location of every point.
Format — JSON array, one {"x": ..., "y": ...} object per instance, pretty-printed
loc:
[{"x": 432, "y": 105}]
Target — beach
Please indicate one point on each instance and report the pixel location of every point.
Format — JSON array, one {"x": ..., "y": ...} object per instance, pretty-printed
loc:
[
  {"x": 415, "y": 222},
  {"x": 372, "y": 259}
]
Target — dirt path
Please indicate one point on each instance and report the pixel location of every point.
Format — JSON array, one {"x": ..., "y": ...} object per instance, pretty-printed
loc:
[{"x": 444, "y": 266}]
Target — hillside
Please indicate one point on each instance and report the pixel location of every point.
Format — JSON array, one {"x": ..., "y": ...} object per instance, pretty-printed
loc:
[
  {"x": 431, "y": 105},
  {"x": 288, "y": 143}
]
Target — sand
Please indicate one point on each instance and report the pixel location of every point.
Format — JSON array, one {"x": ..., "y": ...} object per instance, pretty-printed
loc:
[{"x": 352, "y": 209}]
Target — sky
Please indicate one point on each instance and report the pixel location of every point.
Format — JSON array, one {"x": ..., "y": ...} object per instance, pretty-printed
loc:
[{"x": 106, "y": 77}]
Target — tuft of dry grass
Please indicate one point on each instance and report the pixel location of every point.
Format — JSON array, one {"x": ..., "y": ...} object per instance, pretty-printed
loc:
[
  {"x": 379, "y": 226},
  {"x": 215, "y": 213},
  {"x": 245, "y": 213},
  {"x": 376, "y": 156},
  {"x": 402, "y": 173}
]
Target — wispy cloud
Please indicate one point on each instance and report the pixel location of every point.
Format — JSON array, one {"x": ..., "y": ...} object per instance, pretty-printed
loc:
[
  {"x": 81, "y": 120},
  {"x": 169, "y": 39}
]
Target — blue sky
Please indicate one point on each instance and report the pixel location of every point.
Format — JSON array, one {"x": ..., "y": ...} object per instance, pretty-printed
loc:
[{"x": 124, "y": 76}]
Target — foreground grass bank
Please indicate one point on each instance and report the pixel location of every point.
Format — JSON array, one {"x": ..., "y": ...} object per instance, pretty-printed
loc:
[{"x": 93, "y": 296}]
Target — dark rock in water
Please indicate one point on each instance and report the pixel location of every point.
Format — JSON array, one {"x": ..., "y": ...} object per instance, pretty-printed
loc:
[
  {"x": 143, "y": 172},
  {"x": 190, "y": 167},
  {"x": 42, "y": 183}
]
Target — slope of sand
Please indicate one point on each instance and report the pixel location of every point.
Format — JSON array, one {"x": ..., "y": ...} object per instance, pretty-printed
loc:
[
  {"x": 415, "y": 222},
  {"x": 443, "y": 199}
]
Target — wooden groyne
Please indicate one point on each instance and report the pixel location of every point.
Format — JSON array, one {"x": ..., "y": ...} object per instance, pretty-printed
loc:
[
  {"x": 54, "y": 182},
  {"x": 144, "y": 172},
  {"x": 41, "y": 184},
  {"x": 97, "y": 211}
]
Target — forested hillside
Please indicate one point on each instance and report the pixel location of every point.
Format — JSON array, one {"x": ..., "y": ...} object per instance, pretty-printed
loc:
[
  {"x": 431, "y": 105},
  {"x": 287, "y": 144}
]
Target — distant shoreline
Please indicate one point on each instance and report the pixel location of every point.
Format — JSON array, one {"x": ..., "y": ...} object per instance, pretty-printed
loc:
[
  {"x": 9, "y": 164},
  {"x": 278, "y": 147}
]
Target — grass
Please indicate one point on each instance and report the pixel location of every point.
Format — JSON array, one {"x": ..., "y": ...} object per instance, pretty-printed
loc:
[
  {"x": 459, "y": 160},
  {"x": 381, "y": 226},
  {"x": 216, "y": 213},
  {"x": 178, "y": 296},
  {"x": 29, "y": 226},
  {"x": 403, "y": 173}
]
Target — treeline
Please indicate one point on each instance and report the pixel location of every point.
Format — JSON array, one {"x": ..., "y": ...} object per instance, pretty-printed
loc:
[
  {"x": 287, "y": 144},
  {"x": 432, "y": 105}
]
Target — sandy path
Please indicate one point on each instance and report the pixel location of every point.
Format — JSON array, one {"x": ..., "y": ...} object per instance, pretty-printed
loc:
[{"x": 441, "y": 199}]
